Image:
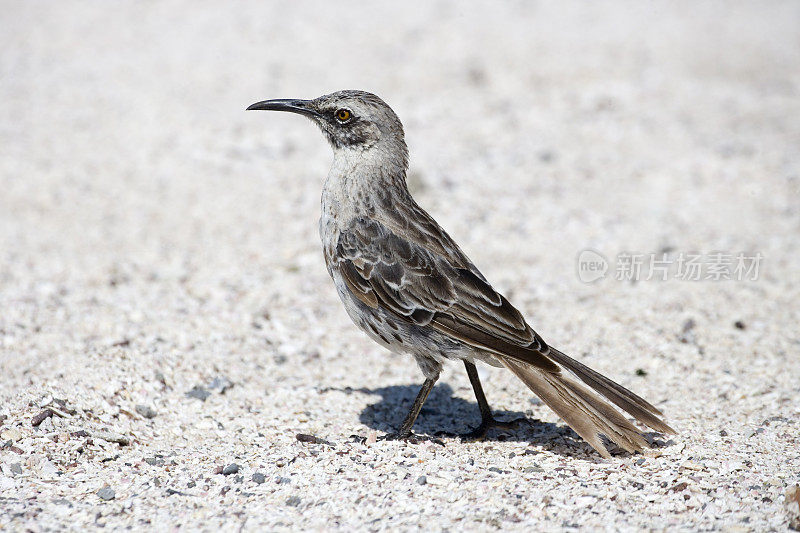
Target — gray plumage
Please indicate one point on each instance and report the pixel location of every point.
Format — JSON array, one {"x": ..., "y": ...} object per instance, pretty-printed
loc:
[{"x": 409, "y": 286}]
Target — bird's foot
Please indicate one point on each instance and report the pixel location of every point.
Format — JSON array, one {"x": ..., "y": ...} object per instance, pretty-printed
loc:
[
  {"x": 480, "y": 432},
  {"x": 410, "y": 437}
]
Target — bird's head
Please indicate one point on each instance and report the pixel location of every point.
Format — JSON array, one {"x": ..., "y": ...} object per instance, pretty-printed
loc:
[{"x": 352, "y": 120}]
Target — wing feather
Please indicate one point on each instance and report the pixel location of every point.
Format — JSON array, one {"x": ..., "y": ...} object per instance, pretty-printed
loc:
[{"x": 401, "y": 275}]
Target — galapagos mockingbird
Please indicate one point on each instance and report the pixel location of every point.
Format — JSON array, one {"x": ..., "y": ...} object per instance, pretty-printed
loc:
[{"x": 409, "y": 286}]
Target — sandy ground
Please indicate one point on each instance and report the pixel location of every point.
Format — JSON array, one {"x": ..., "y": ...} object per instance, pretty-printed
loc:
[{"x": 163, "y": 294}]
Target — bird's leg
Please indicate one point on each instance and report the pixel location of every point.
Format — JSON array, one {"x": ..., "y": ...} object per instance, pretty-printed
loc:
[
  {"x": 487, "y": 420},
  {"x": 405, "y": 429}
]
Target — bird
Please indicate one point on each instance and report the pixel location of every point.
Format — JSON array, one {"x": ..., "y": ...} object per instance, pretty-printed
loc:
[{"x": 407, "y": 284}]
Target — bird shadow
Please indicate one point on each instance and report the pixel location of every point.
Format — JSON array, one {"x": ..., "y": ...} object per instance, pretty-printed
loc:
[{"x": 446, "y": 414}]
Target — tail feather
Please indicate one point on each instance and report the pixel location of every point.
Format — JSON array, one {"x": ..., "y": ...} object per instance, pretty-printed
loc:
[
  {"x": 584, "y": 409},
  {"x": 633, "y": 404}
]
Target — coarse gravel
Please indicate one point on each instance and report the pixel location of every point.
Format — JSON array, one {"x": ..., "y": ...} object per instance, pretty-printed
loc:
[{"x": 173, "y": 353}]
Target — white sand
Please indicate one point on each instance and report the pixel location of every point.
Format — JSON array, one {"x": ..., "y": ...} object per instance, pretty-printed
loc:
[{"x": 154, "y": 236}]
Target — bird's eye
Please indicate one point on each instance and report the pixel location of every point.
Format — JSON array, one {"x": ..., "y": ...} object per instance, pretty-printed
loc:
[{"x": 343, "y": 115}]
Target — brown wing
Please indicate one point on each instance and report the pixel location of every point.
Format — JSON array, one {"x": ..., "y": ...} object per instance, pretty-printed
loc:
[{"x": 424, "y": 278}]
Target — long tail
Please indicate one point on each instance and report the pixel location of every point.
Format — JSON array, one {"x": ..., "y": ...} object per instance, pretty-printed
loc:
[{"x": 581, "y": 396}]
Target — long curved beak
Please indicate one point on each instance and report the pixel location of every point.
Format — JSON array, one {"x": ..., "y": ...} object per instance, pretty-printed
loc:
[{"x": 292, "y": 106}]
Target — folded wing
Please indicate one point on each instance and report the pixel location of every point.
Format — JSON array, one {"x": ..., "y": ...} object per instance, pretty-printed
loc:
[{"x": 429, "y": 289}]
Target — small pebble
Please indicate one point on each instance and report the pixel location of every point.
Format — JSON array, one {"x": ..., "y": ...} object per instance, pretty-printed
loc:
[
  {"x": 687, "y": 334},
  {"x": 293, "y": 501},
  {"x": 198, "y": 392},
  {"x": 691, "y": 465},
  {"x": 739, "y": 324},
  {"x": 16, "y": 468},
  {"x": 106, "y": 493},
  {"x": 109, "y": 436},
  {"x": 679, "y": 487},
  {"x": 422, "y": 480},
  {"x": 10, "y": 435},
  {"x": 303, "y": 437},
  {"x": 495, "y": 469},
  {"x": 230, "y": 469},
  {"x": 259, "y": 478},
  {"x": 10, "y": 447},
  {"x": 41, "y": 417},
  {"x": 146, "y": 411}
]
